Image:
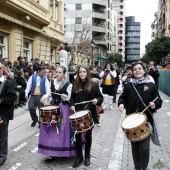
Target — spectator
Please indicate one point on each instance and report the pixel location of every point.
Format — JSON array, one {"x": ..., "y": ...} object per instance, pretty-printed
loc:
[
  {"x": 5, "y": 65},
  {"x": 15, "y": 69},
  {"x": 21, "y": 64},
  {"x": 31, "y": 70},
  {"x": 36, "y": 64},
  {"x": 153, "y": 71}
]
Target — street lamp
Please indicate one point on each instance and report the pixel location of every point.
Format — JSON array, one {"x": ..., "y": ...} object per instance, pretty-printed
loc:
[{"x": 92, "y": 46}]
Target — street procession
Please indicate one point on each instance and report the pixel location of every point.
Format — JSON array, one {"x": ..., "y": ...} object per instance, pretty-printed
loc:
[{"x": 77, "y": 88}]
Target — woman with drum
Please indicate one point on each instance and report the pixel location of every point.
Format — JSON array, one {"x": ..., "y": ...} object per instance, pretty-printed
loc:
[
  {"x": 55, "y": 138},
  {"x": 85, "y": 89},
  {"x": 136, "y": 95}
]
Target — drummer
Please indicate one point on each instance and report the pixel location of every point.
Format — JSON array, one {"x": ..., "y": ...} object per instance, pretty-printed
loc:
[
  {"x": 53, "y": 143},
  {"x": 85, "y": 89},
  {"x": 131, "y": 101}
]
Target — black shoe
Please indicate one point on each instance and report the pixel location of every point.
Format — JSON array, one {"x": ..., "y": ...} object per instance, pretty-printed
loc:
[
  {"x": 87, "y": 161},
  {"x": 33, "y": 123},
  {"x": 78, "y": 161},
  {"x": 20, "y": 105},
  {"x": 2, "y": 162},
  {"x": 49, "y": 159},
  {"x": 114, "y": 101},
  {"x": 16, "y": 106}
]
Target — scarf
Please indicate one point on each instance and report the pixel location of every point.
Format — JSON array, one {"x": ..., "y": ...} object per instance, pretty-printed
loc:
[{"x": 145, "y": 79}]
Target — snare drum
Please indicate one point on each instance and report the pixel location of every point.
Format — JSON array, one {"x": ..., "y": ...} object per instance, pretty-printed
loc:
[
  {"x": 135, "y": 127},
  {"x": 81, "y": 121},
  {"x": 50, "y": 114}
]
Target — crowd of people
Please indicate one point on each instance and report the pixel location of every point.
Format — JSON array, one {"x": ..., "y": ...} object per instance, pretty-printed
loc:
[{"x": 35, "y": 82}]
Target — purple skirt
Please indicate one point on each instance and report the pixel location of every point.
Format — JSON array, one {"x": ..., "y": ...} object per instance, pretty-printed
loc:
[{"x": 56, "y": 144}]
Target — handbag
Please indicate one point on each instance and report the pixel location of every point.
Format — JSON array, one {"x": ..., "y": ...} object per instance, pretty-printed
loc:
[
  {"x": 26, "y": 105},
  {"x": 155, "y": 135}
]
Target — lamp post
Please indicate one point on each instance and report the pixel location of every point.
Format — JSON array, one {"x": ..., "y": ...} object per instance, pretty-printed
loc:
[{"x": 92, "y": 46}]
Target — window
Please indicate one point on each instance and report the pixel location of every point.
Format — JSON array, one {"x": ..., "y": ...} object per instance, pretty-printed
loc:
[
  {"x": 27, "y": 49},
  {"x": 3, "y": 46},
  {"x": 78, "y": 34},
  {"x": 54, "y": 14},
  {"x": 52, "y": 55},
  {"x": 78, "y": 6},
  {"x": 78, "y": 20}
]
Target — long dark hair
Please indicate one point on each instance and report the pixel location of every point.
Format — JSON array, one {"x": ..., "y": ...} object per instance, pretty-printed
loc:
[
  {"x": 111, "y": 67},
  {"x": 78, "y": 81}
]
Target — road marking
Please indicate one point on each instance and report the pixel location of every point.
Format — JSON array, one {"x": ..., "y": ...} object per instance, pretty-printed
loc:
[
  {"x": 166, "y": 101},
  {"x": 168, "y": 113},
  {"x": 35, "y": 150},
  {"x": 117, "y": 151},
  {"x": 16, "y": 166},
  {"x": 37, "y": 134},
  {"x": 20, "y": 147}
]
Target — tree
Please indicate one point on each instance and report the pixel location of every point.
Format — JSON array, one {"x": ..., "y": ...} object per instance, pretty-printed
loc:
[
  {"x": 79, "y": 36},
  {"x": 157, "y": 49},
  {"x": 116, "y": 58}
]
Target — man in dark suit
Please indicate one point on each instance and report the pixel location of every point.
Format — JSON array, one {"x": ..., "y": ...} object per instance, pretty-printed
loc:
[{"x": 7, "y": 98}]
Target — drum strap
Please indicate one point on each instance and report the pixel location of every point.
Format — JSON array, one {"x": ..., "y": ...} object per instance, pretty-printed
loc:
[{"x": 140, "y": 98}]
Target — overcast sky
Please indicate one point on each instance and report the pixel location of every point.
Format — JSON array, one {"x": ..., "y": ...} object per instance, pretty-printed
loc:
[{"x": 143, "y": 10}]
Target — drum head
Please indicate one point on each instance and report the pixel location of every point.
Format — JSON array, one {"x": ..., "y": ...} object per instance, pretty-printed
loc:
[
  {"x": 79, "y": 114},
  {"x": 133, "y": 121},
  {"x": 49, "y": 107}
]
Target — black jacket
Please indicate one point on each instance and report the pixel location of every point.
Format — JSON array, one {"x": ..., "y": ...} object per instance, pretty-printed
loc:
[
  {"x": 7, "y": 99},
  {"x": 83, "y": 95},
  {"x": 21, "y": 81},
  {"x": 132, "y": 103}
]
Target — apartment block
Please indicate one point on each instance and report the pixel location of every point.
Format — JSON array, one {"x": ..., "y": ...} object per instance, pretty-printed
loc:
[
  {"x": 118, "y": 7},
  {"x": 87, "y": 22},
  {"x": 31, "y": 28}
]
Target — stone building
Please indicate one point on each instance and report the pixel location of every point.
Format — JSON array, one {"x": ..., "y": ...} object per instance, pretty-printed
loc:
[{"x": 31, "y": 28}]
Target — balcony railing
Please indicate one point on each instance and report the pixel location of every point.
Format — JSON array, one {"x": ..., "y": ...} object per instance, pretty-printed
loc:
[
  {"x": 99, "y": 15},
  {"x": 99, "y": 29},
  {"x": 99, "y": 2}
]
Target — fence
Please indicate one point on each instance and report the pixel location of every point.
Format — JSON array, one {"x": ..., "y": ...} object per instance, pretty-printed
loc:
[{"x": 164, "y": 81}]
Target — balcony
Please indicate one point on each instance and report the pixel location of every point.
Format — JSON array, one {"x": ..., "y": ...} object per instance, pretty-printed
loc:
[
  {"x": 99, "y": 14},
  {"x": 99, "y": 2},
  {"x": 121, "y": 41},
  {"x": 120, "y": 47},
  {"x": 21, "y": 8},
  {"x": 99, "y": 41},
  {"x": 121, "y": 35}
]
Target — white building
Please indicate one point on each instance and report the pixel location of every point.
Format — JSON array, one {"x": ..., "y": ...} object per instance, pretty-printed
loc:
[
  {"x": 119, "y": 7},
  {"x": 89, "y": 21}
]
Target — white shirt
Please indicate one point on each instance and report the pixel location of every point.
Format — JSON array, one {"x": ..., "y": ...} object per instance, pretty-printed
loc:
[
  {"x": 47, "y": 86},
  {"x": 2, "y": 78},
  {"x": 113, "y": 73},
  {"x": 68, "y": 90}
]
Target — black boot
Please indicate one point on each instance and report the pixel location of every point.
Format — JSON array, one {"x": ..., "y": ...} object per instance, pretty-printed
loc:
[
  {"x": 78, "y": 161},
  {"x": 87, "y": 160}
]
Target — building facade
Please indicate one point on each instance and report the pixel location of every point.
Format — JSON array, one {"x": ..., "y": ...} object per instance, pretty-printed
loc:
[
  {"x": 161, "y": 24},
  {"x": 88, "y": 21},
  {"x": 119, "y": 7},
  {"x": 132, "y": 41},
  {"x": 31, "y": 28}
]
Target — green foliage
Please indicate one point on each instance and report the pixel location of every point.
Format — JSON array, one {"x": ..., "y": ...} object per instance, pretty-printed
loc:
[
  {"x": 116, "y": 58},
  {"x": 157, "y": 49}
]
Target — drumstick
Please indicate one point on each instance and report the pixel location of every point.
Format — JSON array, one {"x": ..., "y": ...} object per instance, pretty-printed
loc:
[
  {"x": 83, "y": 102},
  {"x": 146, "y": 108},
  {"x": 57, "y": 93},
  {"x": 148, "y": 105}
]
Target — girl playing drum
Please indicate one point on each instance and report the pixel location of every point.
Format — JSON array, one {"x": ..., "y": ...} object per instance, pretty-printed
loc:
[
  {"x": 85, "y": 89},
  {"x": 51, "y": 142},
  {"x": 130, "y": 100}
]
